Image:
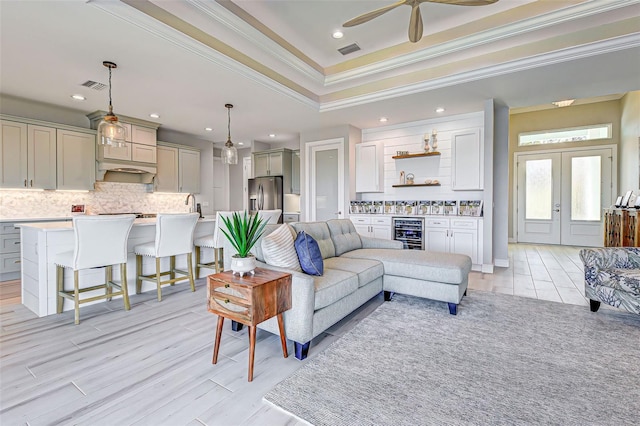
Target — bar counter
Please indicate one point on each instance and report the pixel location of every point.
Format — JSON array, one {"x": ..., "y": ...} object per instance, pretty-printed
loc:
[{"x": 42, "y": 241}]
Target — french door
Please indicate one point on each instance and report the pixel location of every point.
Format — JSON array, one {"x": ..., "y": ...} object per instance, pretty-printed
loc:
[{"x": 561, "y": 195}]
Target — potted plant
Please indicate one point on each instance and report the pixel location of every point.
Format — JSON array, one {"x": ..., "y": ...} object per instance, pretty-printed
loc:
[{"x": 243, "y": 231}]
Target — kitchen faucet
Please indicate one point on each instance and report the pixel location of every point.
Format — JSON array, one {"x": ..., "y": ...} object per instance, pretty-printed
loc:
[{"x": 193, "y": 202}]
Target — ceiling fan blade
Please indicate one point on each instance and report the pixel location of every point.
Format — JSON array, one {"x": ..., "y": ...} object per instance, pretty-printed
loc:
[
  {"x": 465, "y": 2},
  {"x": 415, "y": 24},
  {"x": 373, "y": 14}
]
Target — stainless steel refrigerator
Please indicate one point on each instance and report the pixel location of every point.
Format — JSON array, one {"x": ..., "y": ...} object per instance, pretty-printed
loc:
[{"x": 265, "y": 193}]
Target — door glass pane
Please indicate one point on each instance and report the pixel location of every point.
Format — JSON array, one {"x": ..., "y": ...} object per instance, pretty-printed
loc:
[
  {"x": 539, "y": 189},
  {"x": 326, "y": 176},
  {"x": 585, "y": 188}
]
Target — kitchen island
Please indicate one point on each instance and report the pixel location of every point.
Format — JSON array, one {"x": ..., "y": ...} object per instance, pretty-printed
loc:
[{"x": 41, "y": 242}]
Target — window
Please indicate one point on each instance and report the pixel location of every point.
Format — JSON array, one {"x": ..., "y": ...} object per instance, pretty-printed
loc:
[{"x": 574, "y": 134}]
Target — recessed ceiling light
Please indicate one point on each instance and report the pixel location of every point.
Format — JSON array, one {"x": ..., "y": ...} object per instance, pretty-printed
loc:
[
  {"x": 79, "y": 97},
  {"x": 337, "y": 34},
  {"x": 154, "y": 115},
  {"x": 564, "y": 103},
  {"x": 272, "y": 135},
  {"x": 383, "y": 119},
  {"x": 208, "y": 129},
  {"x": 240, "y": 143},
  {"x": 439, "y": 109}
]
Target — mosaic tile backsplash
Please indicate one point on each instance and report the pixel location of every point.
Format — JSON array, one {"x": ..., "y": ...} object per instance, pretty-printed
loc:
[{"x": 108, "y": 197}]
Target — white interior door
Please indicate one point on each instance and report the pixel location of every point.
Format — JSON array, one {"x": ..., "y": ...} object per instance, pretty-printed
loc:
[
  {"x": 325, "y": 179},
  {"x": 561, "y": 195}
]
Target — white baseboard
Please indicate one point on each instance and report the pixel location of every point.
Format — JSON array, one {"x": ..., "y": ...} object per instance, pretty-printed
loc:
[
  {"x": 502, "y": 263},
  {"x": 487, "y": 269},
  {"x": 512, "y": 240}
]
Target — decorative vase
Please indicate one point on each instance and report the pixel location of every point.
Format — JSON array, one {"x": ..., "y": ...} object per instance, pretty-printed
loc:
[
  {"x": 426, "y": 142},
  {"x": 243, "y": 265},
  {"x": 434, "y": 140}
]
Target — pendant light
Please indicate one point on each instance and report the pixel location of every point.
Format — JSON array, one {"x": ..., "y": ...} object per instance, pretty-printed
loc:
[
  {"x": 229, "y": 152},
  {"x": 110, "y": 131}
]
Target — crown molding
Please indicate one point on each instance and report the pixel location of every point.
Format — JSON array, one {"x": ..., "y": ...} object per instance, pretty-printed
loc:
[
  {"x": 264, "y": 43},
  {"x": 140, "y": 19},
  {"x": 557, "y": 17},
  {"x": 563, "y": 55}
]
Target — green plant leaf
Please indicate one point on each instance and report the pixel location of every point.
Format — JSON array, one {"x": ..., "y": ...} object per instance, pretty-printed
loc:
[{"x": 243, "y": 231}]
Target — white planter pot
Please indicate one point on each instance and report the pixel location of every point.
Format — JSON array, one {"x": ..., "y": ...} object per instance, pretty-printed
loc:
[{"x": 243, "y": 265}]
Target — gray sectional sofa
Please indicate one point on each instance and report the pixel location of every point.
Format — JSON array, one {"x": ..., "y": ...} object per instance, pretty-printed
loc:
[{"x": 357, "y": 268}]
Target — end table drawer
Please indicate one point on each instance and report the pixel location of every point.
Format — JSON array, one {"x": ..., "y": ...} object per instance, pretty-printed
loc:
[{"x": 229, "y": 301}]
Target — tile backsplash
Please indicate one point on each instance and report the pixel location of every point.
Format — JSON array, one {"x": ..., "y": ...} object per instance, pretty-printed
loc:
[{"x": 108, "y": 197}]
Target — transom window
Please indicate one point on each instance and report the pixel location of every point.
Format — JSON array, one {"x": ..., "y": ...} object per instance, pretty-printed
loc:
[{"x": 573, "y": 134}]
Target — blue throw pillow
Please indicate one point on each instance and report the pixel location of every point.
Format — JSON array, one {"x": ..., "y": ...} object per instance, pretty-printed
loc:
[{"x": 309, "y": 254}]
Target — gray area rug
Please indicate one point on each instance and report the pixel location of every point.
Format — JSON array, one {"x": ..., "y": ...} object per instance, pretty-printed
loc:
[{"x": 501, "y": 360}]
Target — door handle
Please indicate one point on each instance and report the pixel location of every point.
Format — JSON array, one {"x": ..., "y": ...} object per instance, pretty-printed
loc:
[{"x": 556, "y": 210}]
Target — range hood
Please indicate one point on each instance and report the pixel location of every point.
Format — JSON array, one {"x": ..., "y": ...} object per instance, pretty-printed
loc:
[{"x": 125, "y": 171}]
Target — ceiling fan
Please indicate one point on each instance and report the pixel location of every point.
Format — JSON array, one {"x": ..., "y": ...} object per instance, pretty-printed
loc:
[{"x": 415, "y": 24}]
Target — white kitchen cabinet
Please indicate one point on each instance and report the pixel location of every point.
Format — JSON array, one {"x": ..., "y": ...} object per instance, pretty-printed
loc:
[
  {"x": 178, "y": 169},
  {"x": 189, "y": 170},
  {"x": 9, "y": 251},
  {"x": 143, "y": 153},
  {"x": 76, "y": 157},
  {"x": 290, "y": 217},
  {"x": 373, "y": 226},
  {"x": 143, "y": 135},
  {"x": 453, "y": 235},
  {"x": 117, "y": 153},
  {"x": 28, "y": 155},
  {"x": 467, "y": 165},
  {"x": 370, "y": 167}
]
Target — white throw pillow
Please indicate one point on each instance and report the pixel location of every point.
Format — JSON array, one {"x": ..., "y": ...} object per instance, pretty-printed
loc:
[{"x": 278, "y": 249}]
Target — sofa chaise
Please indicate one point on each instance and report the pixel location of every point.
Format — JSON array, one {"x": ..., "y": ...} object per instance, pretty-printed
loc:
[{"x": 357, "y": 268}]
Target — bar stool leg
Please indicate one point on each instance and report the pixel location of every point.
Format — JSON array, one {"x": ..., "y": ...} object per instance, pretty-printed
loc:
[
  {"x": 60, "y": 285},
  {"x": 138, "y": 274},
  {"x": 76, "y": 296},
  {"x": 108, "y": 278},
  {"x": 123, "y": 285},
  {"x": 190, "y": 270},
  {"x": 172, "y": 268},
  {"x": 158, "y": 279},
  {"x": 197, "y": 262}
]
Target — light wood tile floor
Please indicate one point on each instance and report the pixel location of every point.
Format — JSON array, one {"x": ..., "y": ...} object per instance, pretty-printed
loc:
[{"x": 152, "y": 365}]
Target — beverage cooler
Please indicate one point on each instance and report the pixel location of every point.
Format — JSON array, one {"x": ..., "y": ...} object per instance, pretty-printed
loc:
[{"x": 410, "y": 231}]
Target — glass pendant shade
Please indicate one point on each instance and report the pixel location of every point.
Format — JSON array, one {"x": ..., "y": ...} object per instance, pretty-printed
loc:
[
  {"x": 229, "y": 152},
  {"x": 110, "y": 131}
]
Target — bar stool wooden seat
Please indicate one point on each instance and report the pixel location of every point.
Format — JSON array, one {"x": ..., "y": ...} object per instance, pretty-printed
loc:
[
  {"x": 174, "y": 236},
  {"x": 100, "y": 242}
]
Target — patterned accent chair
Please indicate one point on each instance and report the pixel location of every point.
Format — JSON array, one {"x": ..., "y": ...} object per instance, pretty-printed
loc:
[{"x": 612, "y": 276}]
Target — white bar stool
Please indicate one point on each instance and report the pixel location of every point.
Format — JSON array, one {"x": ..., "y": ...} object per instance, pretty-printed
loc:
[
  {"x": 100, "y": 242},
  {"x": 174, "y": 236},
  {"x": 214, "y": 242},
  {"x": 270, "y": 216}
]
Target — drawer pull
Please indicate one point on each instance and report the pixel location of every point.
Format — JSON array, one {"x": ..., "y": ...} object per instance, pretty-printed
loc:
[
  {"x": 16, "y": 242},
  {"x": 17, "y": 261},
  {"x": 226, "y": 286},
  {"x": 226, "y": 300}
]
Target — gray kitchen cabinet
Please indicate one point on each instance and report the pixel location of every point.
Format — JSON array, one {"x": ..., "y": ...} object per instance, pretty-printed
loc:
[
  {"x": 9, "y": 251},
  {"x": 28, "y": 155},
  {"x": 275, "y": 162},
  {"x": 76, "y": 160},
  {"x": 295, "y": 172},
  {"x": 178, "y": 169}
]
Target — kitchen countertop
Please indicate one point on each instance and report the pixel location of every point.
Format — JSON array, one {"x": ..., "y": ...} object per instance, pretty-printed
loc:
[
  {"x": 64, "y": 226},
  {"x": 33, "y": 219}
]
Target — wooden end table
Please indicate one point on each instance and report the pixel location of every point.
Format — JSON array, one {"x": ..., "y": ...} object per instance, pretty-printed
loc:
[{"x": 249, "y": 300}]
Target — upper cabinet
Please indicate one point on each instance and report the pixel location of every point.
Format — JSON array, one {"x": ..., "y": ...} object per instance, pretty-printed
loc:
[
  {"x": 295, "y": 172},
  {"x": 76, "y": 158},
  {"x": 370, "y": 167},
  {"x": 275, "y": 162},
  {"x": 35, "y": 154},
  {"x": 178, "y": 169},
  {"x": 467, "y": 166},
  {"x": 141, "y": 140}
]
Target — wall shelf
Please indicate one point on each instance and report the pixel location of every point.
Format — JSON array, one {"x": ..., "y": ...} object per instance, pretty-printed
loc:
[
  {"x": 421, "y": 154},
  {"x": 415, "y": 184}
]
